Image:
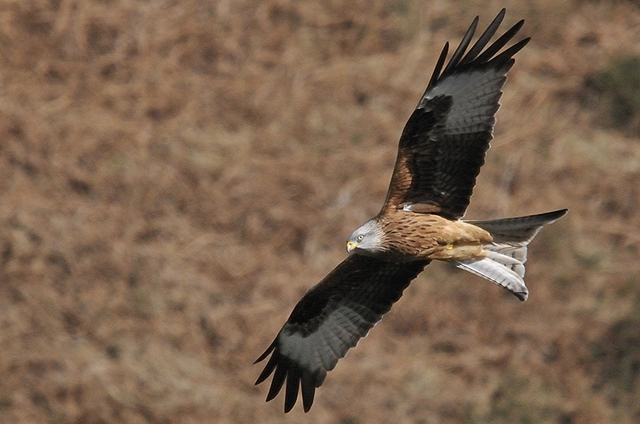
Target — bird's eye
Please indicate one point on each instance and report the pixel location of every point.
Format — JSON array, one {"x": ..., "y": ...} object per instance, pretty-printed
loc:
[{"x": 360, "y": 237}]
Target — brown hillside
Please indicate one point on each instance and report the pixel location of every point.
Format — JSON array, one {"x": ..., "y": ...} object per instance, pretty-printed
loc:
[{"x": 175, "y": 174}]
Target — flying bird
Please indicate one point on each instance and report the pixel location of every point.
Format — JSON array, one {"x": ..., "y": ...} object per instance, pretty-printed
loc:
[{"x": 440, "y": 153}]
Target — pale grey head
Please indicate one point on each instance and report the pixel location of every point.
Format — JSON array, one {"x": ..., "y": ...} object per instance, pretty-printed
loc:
[{"x": 367, "y": 239}]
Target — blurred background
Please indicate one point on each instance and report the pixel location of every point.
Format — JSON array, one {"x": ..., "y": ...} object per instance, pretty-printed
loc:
[{"x": 175, "y": 175}]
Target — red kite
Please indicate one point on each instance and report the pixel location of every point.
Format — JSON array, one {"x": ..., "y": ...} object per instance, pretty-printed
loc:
[{"x": 441, "y": 150}]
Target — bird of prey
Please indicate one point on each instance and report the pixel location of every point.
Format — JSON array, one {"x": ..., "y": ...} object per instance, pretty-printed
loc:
[{"x": 440, "y": 153}]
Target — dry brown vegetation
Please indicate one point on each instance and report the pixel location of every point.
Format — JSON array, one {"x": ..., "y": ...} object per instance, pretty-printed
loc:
[{"x": 175, "y": 174}]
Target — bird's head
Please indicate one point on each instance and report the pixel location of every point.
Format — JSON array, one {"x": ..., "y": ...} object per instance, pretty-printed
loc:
[{"x": 367, "y": 239}]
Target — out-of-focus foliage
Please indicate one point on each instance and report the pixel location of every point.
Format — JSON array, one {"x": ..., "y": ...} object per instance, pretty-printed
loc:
[
  {"x": 175, "y": 174},
  {"x": 618, "y": 90}
]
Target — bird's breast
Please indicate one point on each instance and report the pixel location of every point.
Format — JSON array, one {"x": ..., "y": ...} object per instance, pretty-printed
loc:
[{"x": 412, "y": 236}]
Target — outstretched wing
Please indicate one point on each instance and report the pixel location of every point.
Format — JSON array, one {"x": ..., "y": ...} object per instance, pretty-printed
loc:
[
  {"x": 329, "y": 320},
  {"x": 445, "y": 140}
]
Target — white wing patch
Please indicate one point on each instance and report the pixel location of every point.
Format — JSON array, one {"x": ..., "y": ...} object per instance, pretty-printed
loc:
[
  {"x": 321, "y": 350},
  {"x": 475, "y": 99}
]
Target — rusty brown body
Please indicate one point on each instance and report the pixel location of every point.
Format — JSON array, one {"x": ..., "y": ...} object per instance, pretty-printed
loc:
[{"x": 412, "y": 236}]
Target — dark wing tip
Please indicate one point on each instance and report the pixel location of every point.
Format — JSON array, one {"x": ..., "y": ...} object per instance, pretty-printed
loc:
[
  {"x": 295, "y": 376},
  {"x": 476, "y": 56},
  {"x": 462, "y": 47},
  {"x": 266, "y": 353},
  {"x": 441, "y": 60},
  {"x": 271, "y": 365},
  {"x": 309, "y": 383},
  {"x": 277, "y": 382}
]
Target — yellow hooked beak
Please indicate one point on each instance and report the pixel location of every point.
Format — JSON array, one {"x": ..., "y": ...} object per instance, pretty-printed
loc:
[{"x": 352, "y": 245}]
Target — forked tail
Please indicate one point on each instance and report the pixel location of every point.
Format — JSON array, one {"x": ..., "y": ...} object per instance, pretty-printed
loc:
[{"x": 504, "y": 264}]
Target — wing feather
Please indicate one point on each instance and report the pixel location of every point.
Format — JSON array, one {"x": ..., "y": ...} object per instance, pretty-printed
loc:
[
  {"x": 483, "y": 40},
  {"x": 444, "y": 142},
  {"x": 329, "y": 320},
  {"x": 457, "y": 54}
]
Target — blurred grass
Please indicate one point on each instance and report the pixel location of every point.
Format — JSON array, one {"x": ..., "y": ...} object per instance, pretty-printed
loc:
[
  {"x": 618, "y": 89},
  {"x": 174, "y": 176}
]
